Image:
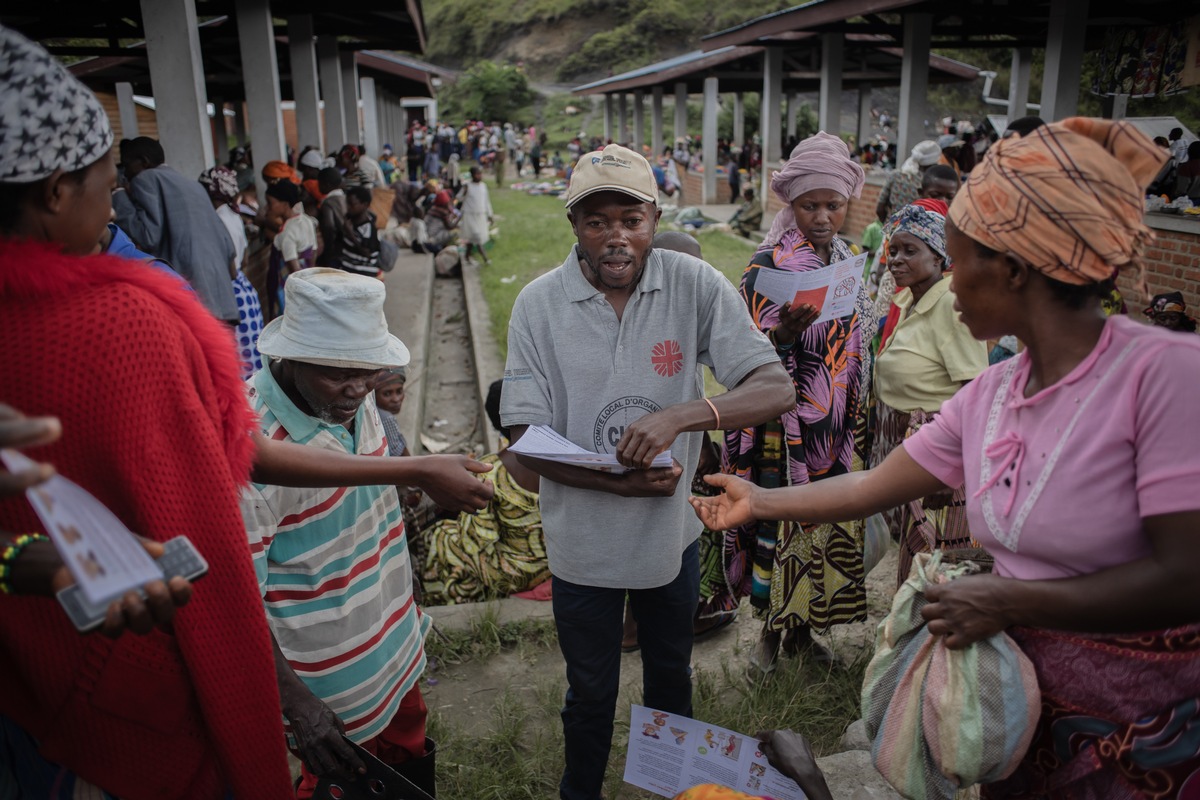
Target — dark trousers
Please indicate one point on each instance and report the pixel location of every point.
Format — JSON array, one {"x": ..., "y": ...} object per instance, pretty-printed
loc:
[{"x": 589, "y": 620}]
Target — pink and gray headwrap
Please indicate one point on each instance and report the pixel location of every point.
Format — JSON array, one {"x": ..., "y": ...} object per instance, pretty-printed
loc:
[{"x": 822, "y": 161}]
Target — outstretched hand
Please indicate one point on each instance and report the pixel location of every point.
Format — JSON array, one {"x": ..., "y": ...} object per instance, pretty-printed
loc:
[
  {"x": 731, "y": 508},
  {"x": 453, "y": 482}
]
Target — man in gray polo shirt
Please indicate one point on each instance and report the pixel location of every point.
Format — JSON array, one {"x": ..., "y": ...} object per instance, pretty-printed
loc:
[{"x": 606, "y": 349}]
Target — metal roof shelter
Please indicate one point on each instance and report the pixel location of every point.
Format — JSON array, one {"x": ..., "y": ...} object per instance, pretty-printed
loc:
[
  {"x": 794, "y": 62},
  {"x": 184, "y": 51},
  {"x": 872, "y": 59},
  {"x": 1065, "y": 28}
]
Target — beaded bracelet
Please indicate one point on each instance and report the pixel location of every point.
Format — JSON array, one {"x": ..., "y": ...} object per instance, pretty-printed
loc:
[{"x": 9, "y": 554}]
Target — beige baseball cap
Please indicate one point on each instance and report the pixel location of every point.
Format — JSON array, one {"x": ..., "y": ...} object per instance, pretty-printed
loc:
[{"x": 613, "y": 169}]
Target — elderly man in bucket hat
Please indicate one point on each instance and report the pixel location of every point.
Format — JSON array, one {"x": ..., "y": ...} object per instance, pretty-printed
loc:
[
  {"x": 606, "y": 349},
  {"x": 333, "y": 564}
]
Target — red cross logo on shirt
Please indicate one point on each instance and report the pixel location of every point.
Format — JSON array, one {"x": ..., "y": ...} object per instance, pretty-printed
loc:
[{"x": 667, "y": 358}]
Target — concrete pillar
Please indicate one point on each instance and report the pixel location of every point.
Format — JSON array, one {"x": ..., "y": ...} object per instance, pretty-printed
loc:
[
  {"x": 739, "y": 119},
  {"x": 1018, "y": 83},
  {"x": 350, "y": 96},
  {"x": 370, "y": 117},
  {"x": 608, "y": 118},
  {"x": 864, "y": 113},
  {"x": 793, "y": 106},
  {"x": 830, "y": 107},
  {"x": 639, "y": 120},
  {"x": 260, "y": 75},
  {"x": 709, "y": 143},
  {"x": 127, "y": 109},
  {"x": 772, "y": 98},
  {"x": 656, "y": 122},
  {"x": 1064, "y": 59},
  {"x": 622, "y": 119},
  {"x": 681, "y": 96},
  {"x": 914, "y": 82},
  {"x": 305, "y": 91},
  {"x": 330, "y": 67},
  {"x": 181, "y": 106}
]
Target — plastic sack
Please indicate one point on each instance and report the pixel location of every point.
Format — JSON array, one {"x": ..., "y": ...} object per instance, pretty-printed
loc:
[
  {"x": 940, "y": 719},
  {"x": 876, "y": 542}
]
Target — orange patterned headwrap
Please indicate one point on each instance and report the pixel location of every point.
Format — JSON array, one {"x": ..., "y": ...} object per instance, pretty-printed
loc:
[{"x": 1068, "y": 198}]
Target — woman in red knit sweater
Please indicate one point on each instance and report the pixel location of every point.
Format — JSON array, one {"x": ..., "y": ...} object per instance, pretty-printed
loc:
[{"x": 156, "y": 425}]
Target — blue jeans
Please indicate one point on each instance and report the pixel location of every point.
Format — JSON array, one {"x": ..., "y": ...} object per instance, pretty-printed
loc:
[{"x": 589, "y": 633}]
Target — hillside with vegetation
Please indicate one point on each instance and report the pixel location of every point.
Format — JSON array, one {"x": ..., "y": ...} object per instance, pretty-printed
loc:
[
  {"x": 521, "y": 55},
  {"x": 573, "y": 41}
]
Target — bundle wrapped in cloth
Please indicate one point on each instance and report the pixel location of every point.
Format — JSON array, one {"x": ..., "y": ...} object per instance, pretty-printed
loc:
[{"x": 940, "y": 719}]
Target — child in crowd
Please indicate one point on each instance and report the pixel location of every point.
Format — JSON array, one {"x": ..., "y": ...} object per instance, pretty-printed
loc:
[
  {"x": 294, "y": 247},
  {"x": 360, "y": 234},
  {"x": 418, "y": 510},
  {"x": 476, "y": 214},
  {"x": 389, "y": 397},
  {"x": 330, "y": 217}
]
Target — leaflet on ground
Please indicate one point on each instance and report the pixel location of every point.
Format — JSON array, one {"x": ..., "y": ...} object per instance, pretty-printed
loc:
[
  {"x": 831, "y": 289},
  {"x": 104, "y": 557},
  {"x": 542, "y": 441},
  {"x": 669, "y": 754}
]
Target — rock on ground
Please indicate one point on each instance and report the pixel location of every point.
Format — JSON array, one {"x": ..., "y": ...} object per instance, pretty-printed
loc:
[
  {"x": 855, "y": 737},
  {"x": 851, "y": 775}
]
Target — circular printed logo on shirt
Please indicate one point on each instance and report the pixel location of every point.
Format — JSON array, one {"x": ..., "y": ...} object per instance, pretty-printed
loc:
[{"x": 615, "y": 417}]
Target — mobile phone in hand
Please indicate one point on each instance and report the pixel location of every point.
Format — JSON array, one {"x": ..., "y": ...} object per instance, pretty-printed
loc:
[{"x": 179, "y": 557}]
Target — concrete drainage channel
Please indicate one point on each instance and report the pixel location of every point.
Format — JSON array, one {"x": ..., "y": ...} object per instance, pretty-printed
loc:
[{"x": 452, "y": 420}]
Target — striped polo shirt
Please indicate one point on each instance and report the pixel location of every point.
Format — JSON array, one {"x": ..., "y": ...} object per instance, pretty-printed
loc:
[{"x": 334, "y": 571}]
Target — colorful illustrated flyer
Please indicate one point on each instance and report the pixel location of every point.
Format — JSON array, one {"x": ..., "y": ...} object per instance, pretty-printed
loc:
[
  {"x": 669, "y": 754},
  {"x": 831, "y": 290}
]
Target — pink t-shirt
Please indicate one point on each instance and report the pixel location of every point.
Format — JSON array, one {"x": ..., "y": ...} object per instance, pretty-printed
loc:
[{"x": 1070, "y": 472}]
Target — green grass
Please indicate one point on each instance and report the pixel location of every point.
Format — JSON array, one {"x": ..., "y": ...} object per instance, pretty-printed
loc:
[
  {"x": 535, "y": 237},
  {"x": 487, "y": 637}
]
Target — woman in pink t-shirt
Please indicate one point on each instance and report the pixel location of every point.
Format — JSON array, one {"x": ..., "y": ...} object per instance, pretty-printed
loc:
[{"x": 1080, "y": 466}]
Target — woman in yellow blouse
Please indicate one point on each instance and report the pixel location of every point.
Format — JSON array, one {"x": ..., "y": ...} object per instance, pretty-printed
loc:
[{"x": 927, "y": 358}]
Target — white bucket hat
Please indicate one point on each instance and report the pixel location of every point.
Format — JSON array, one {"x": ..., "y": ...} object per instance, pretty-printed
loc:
[{"x": 335, "y": 319}]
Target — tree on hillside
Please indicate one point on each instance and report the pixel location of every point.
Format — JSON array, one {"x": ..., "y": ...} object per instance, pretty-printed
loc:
[{"x": 487, "y": 91}]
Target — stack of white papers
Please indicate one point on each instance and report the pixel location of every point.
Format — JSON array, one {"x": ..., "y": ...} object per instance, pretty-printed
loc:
[{"x": 542, "y": 441}]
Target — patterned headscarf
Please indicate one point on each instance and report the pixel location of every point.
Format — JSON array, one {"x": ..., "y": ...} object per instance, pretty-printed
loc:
[
  {"x": 1067, "y": 198},
  {"x": 822, "y": 161},
  {"x": 220, "y": 183},
  {"x": 924, "y": 220},
  {"x": 48, "y": 119}
]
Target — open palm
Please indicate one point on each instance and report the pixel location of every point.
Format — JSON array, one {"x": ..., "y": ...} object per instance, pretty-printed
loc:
[{"x": 731, "y": 509}]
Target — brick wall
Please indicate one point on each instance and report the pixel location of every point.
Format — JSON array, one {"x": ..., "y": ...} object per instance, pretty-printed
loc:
[{"x": 1172, "y": 264}]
